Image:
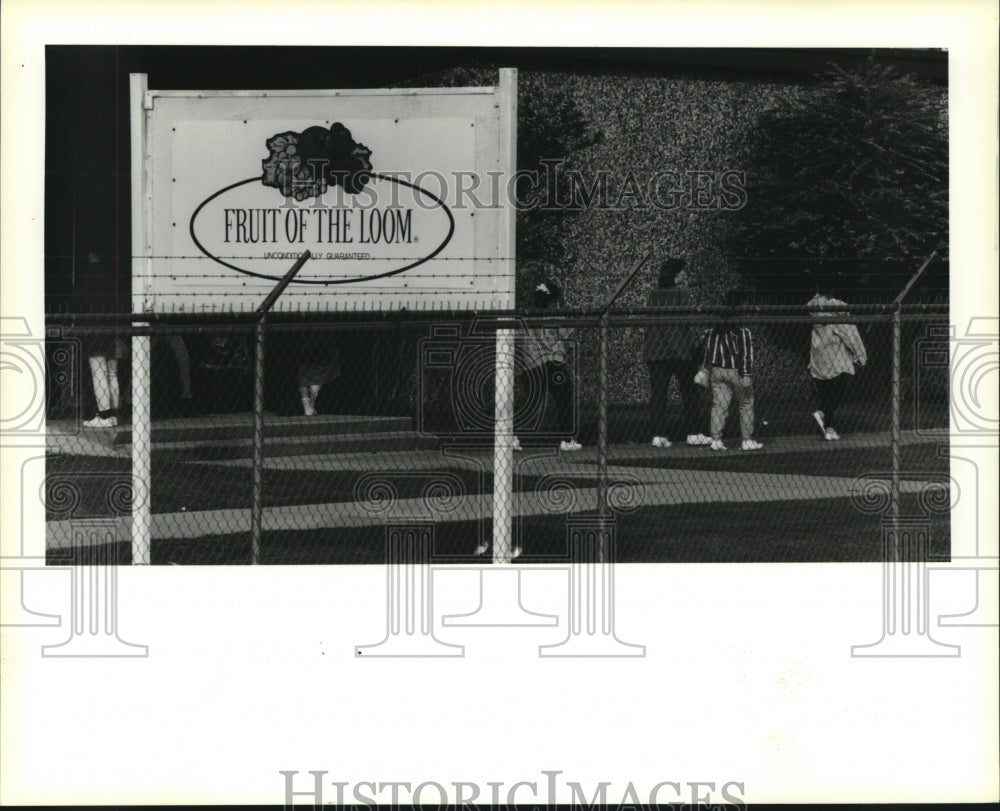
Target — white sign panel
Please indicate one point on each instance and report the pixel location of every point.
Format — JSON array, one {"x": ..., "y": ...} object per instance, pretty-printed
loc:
[{"x": 400, "y": 197}]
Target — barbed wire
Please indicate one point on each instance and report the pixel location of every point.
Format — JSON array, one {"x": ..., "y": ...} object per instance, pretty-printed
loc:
[{"x": 804, "y": 260}]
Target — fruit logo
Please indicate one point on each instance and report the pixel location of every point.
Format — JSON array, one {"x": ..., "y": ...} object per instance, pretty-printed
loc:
[{"x": 304, "y": 165}]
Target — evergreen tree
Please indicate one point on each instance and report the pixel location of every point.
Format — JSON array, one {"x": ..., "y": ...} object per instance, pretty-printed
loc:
[{"x": 848, "y": 180}]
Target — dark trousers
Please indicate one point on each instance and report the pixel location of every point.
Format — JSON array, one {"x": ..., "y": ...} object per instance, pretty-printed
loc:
[
  {"x": 829, "y": 395},
  {"x": 550, "y": 380},
  {"x": 692, "y": 413}
]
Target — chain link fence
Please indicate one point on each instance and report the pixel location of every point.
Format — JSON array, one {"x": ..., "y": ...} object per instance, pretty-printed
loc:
[{"x": 334, "y": 439}]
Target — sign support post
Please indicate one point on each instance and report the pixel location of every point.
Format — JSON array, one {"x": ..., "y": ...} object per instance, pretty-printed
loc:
[
  {"x": 503, "y": 450},
  {"x": 141, "y": 367}
]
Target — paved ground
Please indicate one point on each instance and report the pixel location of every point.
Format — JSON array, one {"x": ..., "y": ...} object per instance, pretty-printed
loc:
[{"x": 573, "y": 473}]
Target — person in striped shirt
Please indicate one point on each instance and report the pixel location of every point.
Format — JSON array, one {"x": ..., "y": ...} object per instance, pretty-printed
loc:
[{"x": 729, "y": 360}]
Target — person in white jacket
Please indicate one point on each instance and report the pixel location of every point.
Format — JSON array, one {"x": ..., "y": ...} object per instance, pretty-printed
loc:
[{"x": 835, "y": 350}]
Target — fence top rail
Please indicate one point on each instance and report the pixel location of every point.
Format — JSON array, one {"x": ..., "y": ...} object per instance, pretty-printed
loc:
[
  {"x": 500, "y": 319},
  {"x": 471, "y": 328},
  {"x": 479, "y": 324}
]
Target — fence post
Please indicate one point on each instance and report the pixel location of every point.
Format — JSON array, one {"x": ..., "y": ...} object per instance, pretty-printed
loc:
[
  {"x": 602, "y": 433},
  {"x": 897, "y": 333},
  {"x": 897, "y": 349},
  {"x": 142, "y": 302},
  {"x": 602, "y": 406},
  {"x": 503, "y": 455},
  {"x": 142, "y": 451},
  {"x": 257, "y": 499}
]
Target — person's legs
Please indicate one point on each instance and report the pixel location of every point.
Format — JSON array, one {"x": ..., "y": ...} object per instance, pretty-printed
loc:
[
  {"x": 307, "y": 405},
  {"x": 691, "y": 402},
  {"x": 659, "y": 386},
  {"x": 102, "y": 389},
  {"x": 111, "y": 369},
  {"x": 831, "y": 394},
  {"x": 309, "y": 389},
  {"x": 308, "y": 395},
  {"x": 722, "y": 394},
  {"x": 827, "y": 400},
  {"x": 745, "y": 395},
  {"x": 836, "y": 388},
  {"x": 103, "y": 373},
  {"x": 560, "y": 386},
  {"x": 183, "y": 360}
]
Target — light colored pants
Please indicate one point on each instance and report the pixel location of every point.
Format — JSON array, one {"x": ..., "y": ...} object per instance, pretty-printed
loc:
[
  {"x": 104, "y": 372},
  {"x": 726, "y": 384}
]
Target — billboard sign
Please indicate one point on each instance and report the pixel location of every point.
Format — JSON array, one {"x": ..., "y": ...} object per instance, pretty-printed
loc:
[{"x": 398, "y": 195}]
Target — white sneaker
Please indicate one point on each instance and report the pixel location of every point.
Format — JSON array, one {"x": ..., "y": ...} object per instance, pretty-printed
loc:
[
  {"x": 661, "y": 442},
  {"x": 699, "y": 439},
  {"x": 717, "y": 445},
  {"x": 751, "y": 445},
  {"x": 516, "y": 444},
  {"x": 818, "y": 416},
  {"x": 831, "y": 435},
  {"x": 308, "y": 408},
  {"x": 483, "y": 548},
  {"x": 101, "y": 422},
  {"x": 572, "y": 445}
]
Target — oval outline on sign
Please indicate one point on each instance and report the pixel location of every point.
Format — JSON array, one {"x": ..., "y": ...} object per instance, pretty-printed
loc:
[{"x": 356, "y": 280}]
